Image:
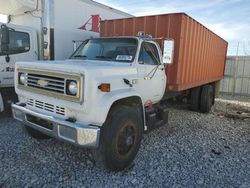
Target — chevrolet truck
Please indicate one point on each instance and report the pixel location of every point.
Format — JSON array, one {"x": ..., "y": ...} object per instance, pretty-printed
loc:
[{"x": 116, "y": 87}]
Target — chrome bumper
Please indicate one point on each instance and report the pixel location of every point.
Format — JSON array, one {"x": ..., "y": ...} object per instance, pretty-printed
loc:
[{"x": 78, "y": 134}]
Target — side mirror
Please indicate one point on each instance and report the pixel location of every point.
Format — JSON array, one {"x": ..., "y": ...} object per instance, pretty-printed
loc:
[
  {"x": 4, "y": 38},
  {"x": 168, "y": 51}
]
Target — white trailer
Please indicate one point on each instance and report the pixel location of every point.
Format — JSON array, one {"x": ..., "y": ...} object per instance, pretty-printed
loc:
[{"x": 45, "y": 30}]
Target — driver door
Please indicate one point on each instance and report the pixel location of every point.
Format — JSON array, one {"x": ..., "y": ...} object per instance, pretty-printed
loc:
[{"x": 151, "y": 73}]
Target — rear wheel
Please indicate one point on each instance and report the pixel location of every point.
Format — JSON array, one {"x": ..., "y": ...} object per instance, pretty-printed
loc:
[
  {"x": 195, "y": 99},
  {"x": 34, "y": 133},
  {"x": 120, "y": 138},
  {"x": 207, "y": 98}
]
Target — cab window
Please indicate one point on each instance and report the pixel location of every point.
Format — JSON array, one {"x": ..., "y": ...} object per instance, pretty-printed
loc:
[
  {"x": 149, "y": 54},
  {"x": 19, "y": 43}
]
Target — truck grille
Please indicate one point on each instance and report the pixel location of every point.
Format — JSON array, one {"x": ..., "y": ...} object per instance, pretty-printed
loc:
[
  {"x": 51, "y": 83},
  {"x": 46, "y": 106}
]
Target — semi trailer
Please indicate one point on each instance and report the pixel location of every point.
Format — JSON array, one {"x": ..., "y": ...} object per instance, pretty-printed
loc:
[
  {"x": 44, "y": 30},
  {"x": 115, "y": 87}
]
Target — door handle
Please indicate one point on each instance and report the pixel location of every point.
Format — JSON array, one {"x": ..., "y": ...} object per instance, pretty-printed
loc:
[{"x": 161, "y": 68}]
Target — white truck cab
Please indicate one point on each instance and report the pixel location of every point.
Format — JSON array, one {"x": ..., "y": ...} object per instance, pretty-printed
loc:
[
  {"x": 22, "y": 47},
  {"x": 103, "y": 97}
]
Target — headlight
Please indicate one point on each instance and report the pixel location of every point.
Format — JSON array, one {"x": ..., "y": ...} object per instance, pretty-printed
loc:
[
  {"x": 22, "y": 78},
  {"x": 72, "y": 88}
]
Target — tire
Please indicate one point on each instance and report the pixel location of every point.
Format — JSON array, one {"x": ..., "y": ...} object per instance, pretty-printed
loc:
[
  {"x": 195, "y": 99},
  {"x": 120, "y": 138},
  {"x": 34, "y": 133},
  {"x": 207, "y": 98},
  {"x": 7, "y": 97}
]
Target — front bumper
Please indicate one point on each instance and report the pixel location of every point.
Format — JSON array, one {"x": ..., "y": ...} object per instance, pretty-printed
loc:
[{"x": 78, "y": 134}]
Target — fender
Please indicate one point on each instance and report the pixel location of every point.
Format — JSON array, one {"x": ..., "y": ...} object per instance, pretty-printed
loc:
[{"x": 105, "y": 102}]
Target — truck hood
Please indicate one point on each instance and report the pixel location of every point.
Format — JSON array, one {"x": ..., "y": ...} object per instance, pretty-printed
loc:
[{"x": 80, "y": 66}]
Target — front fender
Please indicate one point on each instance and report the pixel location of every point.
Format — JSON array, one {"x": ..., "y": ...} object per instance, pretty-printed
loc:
[{"x": 106, "y": 101}]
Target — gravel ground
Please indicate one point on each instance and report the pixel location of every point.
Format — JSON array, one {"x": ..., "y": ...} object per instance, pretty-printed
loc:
[
  {"x": 193, "y": 150},
  {"x": 230, "y": 107}
]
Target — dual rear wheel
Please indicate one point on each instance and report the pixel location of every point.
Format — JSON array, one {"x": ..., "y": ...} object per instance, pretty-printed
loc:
[{"x": 202, "y": 98}]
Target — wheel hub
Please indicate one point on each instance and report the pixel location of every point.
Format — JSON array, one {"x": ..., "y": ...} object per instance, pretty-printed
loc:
[
  {"x": 126, "y": 140},
  {"x": 129, "y": 141}
]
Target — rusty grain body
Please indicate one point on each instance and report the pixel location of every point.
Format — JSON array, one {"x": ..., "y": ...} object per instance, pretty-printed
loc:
[{"x": 199, "y": 54}]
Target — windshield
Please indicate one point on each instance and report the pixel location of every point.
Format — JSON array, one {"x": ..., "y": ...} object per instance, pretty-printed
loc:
[{"x": 108, "y": 49}]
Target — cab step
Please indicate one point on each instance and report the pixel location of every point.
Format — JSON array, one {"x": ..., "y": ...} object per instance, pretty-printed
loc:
[{"x": 156, "y": 117}]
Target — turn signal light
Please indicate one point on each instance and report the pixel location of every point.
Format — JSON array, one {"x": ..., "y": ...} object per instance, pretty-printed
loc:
[{"x": 104, "y": 87}]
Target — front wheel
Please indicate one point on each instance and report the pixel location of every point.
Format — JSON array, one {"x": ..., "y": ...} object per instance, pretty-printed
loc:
[{"x": 120, "y": 138}]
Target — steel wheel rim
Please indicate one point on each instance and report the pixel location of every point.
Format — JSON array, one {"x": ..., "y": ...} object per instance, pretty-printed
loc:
[{"x": 126, "y": 140}]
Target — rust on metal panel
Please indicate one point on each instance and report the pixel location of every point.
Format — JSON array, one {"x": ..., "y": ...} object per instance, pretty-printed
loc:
[{"x": 199, "y": 54}]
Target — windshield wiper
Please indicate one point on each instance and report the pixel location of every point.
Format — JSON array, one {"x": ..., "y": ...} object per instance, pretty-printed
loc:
[{"x": 104, "y": 57}]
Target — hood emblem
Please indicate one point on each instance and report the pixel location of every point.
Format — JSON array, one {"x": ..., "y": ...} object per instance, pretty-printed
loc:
[{"x": 43, "y": 83}]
